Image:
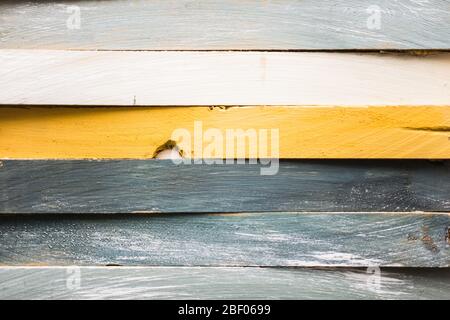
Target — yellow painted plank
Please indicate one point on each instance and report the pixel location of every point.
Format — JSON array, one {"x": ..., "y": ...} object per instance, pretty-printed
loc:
[{"x": 304, "y": 132}]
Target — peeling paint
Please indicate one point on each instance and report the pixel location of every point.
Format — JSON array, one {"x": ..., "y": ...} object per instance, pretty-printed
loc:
[
  {"x": 169, "y": 145},
  {"x": 220, "y": 108},
  {"x": 428, "y": 241},
  {"x": 447, "y": 235},
  {"x": 412, "y": 237}
]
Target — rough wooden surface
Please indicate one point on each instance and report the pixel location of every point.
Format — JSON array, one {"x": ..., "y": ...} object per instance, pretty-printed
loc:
[
  {"x": 303, "y": 132},
  {"x": 125, "y": 186},
  {"x": 253, "y": 239},
  {"x": 222, "y": 283},
  {"x": 231, "y": 24},
  {"x": 222, "y": 78}
]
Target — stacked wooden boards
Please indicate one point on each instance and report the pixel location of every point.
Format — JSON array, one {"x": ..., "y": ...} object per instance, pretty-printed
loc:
[{"x": 91, "y": 90}]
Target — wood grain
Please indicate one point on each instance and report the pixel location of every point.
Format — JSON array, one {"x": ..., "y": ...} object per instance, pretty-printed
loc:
[
  {"x": 303, "y": 132},
  {"x": 125, "y": 186},
  {"x": 252, "y": 239},
  {"x": 47, "y": 77},
  {"x": 231, "y": 24},
  {"x": 222, "y": 283}
]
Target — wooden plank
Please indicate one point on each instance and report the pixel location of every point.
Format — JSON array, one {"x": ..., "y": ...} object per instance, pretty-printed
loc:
[
  {"x": 301, "y": 132},
  {"x": 222, "y": 283},
  {"x": 256, "y": 239},
  {"x": 144, "y": 78},
  {"x": 231, "y": 24},
  {"x": 125, "y": 186}
]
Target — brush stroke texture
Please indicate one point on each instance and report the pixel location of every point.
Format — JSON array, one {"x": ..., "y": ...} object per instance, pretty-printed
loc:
[
  {"x": 53, "y": 77},
  {"x": 126, "y": 186},
  {"x": 223, "y": 283},
  {"x": 406, "y": 132},
  {"x": 252, "y": 239},
  {"x": 230, "y": 24}
]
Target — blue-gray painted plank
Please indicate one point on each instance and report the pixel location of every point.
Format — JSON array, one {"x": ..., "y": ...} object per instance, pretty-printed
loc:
[
  {"x": 230, "y": 24},
  {"x": 253, "y": 239},
  {"x": 126, "y": 186}
]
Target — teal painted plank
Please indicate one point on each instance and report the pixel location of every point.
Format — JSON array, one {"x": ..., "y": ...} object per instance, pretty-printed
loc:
[
  {"x": 252, "y": 239},
  {"x": 127, "y": 186},
  {"x": 222, "y": 283},
  {"x": 221, "y": 25}
]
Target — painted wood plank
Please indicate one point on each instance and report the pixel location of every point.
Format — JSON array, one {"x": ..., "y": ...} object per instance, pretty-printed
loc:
[
  {"x": 125, "y": 186},
  {"x": 252, "y": 239},
  {"x": 301, "y": 132},
  {"x": 222, "y": 283},
  {"x": 222, "y": 78},
  {"x": 231, "y": 24}
]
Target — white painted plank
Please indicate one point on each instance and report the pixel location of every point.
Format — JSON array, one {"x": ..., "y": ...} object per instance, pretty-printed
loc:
[{"x": 222, "y": 78}]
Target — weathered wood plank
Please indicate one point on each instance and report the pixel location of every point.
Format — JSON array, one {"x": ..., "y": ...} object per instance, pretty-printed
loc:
[
  {"x": 231, "y": 24},
  {"x": 222, "y": 283},
  {"x": 124, "y": 186},
  {"x": 253, "y": 239},
  {"x": 302, "y": 132},
  {"x": 222, "y": 78}
]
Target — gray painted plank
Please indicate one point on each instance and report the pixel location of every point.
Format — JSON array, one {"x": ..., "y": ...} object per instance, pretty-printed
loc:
[
  {"x": 231, "y": 24},
  {"x": 222, "y": 283},
  {"x": 252, "y": 239},
  {"x": 125, "y": 186}
]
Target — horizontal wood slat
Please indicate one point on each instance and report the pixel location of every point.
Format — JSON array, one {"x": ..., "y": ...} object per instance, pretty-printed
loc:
[
  {"x": 125, "y": 186},
  {"x": 222, "y": 78},
  {"x": 302, "y": 132},
  {"x": 252, "y": 239},
  {"x": 221, "y": 283},
  {"x": 231, "y": 24}
]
